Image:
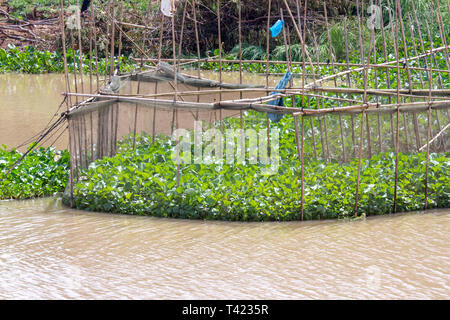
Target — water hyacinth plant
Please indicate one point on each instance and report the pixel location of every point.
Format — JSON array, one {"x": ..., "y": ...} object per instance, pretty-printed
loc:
[
  {"x": 43, "y": 172},
  {"x": 143, "y": 181}
]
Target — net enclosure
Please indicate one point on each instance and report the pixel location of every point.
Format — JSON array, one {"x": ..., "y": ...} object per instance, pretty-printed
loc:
[{"x": 321, "y": 139}]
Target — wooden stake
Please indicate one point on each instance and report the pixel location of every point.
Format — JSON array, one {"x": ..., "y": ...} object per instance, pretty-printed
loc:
[
  {"x": 359, "y": 162},
  {"x": 111, "y": 64},
  {"x": 63, "y": 40},
  {"x": 397, "y": 4}
]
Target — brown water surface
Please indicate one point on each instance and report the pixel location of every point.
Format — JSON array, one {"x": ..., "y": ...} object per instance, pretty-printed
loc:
[
  {"x": 28, "y": 102},
  {"x": 48, "y": 251}
]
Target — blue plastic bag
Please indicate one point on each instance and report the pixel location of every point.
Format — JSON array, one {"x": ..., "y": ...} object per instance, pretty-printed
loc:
[
  {"x": 275, "y": 117},
  {"x": 277, "y": 28}
]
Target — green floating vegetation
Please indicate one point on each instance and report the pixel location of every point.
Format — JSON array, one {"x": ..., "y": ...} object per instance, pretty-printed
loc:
[
  {"x": 43, "y": 172},
  {"x": 31, "y": 60},
  {"x": 143, "y": 181}
]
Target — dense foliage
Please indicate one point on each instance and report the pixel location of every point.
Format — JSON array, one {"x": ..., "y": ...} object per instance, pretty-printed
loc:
[
  {"x": 30, "y": 60},
  {"x": 143, "y": 182},
  {"x": 43, "y": 172}
]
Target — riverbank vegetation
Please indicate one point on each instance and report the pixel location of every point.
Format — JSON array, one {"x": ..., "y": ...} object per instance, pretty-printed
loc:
[
  {"x": 31, "y": 60},
  {"x": 143, "y": 181},
  {"x": 43, "y": 172},
  {"x": 254, "y": 34}
]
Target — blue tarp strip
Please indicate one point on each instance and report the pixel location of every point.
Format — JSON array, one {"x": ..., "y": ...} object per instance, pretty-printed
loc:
[
  {"x": 276, "y": 28},
  {"x": 279, "y": 102}
]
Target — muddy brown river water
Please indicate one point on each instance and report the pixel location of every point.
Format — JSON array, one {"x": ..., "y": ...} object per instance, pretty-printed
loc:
[{"x": 48, "y": 251}]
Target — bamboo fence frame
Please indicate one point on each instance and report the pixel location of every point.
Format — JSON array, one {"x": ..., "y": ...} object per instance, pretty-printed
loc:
[{"x": 401, "y": 101}]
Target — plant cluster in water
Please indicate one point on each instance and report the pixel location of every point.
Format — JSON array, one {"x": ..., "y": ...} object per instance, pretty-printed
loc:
[
  {"x": 43, "y": 172},
  {"x": 31, "y": 60},
  {"x": 143, "y": 181}
]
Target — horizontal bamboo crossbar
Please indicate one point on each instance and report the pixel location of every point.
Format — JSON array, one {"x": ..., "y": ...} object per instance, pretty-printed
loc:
[
  {"x": 435, "y": 137},
  {"x": 264, "y": 62},
  {"x": 260, "y": 107}
]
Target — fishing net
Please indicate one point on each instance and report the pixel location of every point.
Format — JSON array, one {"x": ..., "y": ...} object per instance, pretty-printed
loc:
[
  {"x": 349, "y": 122},
  {"x": 345, "y": 152}
]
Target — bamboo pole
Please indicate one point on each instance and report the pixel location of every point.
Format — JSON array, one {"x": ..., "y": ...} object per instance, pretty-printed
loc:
[
  {"x": 80, "y": 54},
  {"x": 299, "y": 63},
  {"x": 405, "y": 48},
  {"x": 440, "y": 133},
  {"x": 433, "y": 60},
  {"x": 430, "y": 82},
  {"x": 175, "y": 114},
  {"x": 302, "y": 39},
  {"x": 236, "y": 104},
  {"x": 161, "y": 30},
  {"x": 241, "y": 118},
  {"x": 85, "y": 147},
  {"x": 420, "y": 35},
  {"x": 443, "y": 34},
  {"x": 121, "y": 33},
  {"x": 365, "y": 71},
  {"x": 397, "y": 4},
  {"x": 219, "y": 33},
  {"x": 90, "y": 54},
  {"x": 95, "y": 45},
  {"x": 72, "y": 42},
  {"x": 298, "y": 32},
  {"x": 267, "y": 44},
  {"x": 405, "y": 125},
  {"x": 197, "y": 42},
  {"x": 63, "y": 40},
  {"x": 79, "y": 148},
  {"x": 107, "y": 40},
  {"x": 335, "y": 82},
  {"x": 111, "y": 64},
  {"x": 361, "y": 41},
  {"x": 380, "y": 65},
  {"x": 183, "y": 19},
  {"x": 71, "y": 160},
  {"x": 372, "y": 38},
  {"x": 411, "y": 23},
  {"x": 349, "y": 83},
  {"x": 416, "y": 131},
  {"x": 175, "y": 72},
  {"x": 359, "y": 162},
  {"x": 322, "y": 141},
  {"x": 116, "y": 126},
  {"x": 302, "y": 201}
]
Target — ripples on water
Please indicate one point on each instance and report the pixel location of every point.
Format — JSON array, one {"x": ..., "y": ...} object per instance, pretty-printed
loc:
[{"x": 48, "y": 251}]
